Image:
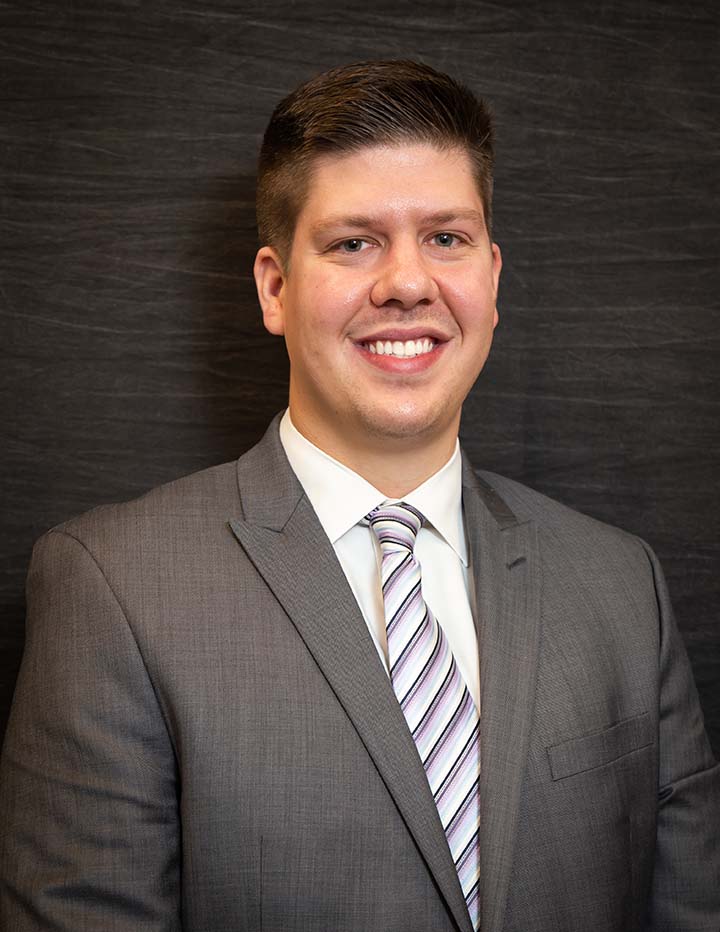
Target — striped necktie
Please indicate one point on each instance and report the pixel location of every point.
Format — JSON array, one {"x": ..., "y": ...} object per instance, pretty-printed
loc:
[{"x": 437, "y": 706}]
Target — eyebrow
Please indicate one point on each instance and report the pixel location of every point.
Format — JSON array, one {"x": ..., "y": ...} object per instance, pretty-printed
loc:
[{"x": 363, "y": 220}]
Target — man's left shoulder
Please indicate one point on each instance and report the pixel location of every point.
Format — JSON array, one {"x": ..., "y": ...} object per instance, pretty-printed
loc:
[{"x": 562, "y": 529}]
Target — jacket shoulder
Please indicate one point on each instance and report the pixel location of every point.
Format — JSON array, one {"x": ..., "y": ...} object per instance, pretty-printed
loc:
[
  {"x": 209, "y": 494},
  {"x": 556, "y": 520}
]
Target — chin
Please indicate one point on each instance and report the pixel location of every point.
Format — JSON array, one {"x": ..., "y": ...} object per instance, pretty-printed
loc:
[{"x": 406, "y": 423}]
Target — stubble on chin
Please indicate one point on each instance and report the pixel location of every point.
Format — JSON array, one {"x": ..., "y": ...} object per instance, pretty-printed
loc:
[{"x": 405, "y": 425}]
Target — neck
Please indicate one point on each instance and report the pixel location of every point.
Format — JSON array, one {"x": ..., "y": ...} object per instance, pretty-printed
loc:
[{"x": 394, "y": 465}]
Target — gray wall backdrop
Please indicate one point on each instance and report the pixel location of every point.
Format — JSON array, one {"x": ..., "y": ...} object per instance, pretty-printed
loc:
[{"x": 132, "y": 348}]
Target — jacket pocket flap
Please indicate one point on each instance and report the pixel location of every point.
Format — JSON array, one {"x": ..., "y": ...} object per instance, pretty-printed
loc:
[{"x": 603, "y": 747}]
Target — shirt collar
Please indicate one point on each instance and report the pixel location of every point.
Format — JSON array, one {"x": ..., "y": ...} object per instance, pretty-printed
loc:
[{"x": 341, "y": 498}]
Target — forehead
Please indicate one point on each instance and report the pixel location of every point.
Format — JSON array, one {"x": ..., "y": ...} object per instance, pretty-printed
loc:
[{"x": 390, "y": 179}]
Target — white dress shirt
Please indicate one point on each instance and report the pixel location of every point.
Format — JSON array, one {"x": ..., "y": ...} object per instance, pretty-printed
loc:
[{"x": 341, "y": 499}]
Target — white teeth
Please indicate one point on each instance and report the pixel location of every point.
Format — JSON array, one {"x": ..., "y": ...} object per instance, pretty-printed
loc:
[{"x": 399, "y": 348}]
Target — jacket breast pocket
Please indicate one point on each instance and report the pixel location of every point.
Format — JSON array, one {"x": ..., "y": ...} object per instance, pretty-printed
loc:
[{"x": 600, "y": 748}]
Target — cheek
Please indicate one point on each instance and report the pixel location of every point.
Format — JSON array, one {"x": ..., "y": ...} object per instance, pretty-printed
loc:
[
  {"x": 333, "y": 300},
  {"x": 472, "y": 300}
]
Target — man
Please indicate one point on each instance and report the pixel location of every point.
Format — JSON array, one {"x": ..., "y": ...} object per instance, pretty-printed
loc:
[{"x": 346, "y": 683}]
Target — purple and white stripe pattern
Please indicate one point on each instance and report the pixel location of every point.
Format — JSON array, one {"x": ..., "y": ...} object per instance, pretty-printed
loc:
[{"x": 438, "y": 708}]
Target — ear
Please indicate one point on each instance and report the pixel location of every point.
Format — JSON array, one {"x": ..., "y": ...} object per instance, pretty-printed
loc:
[
  {"x": 496, "y": 267},
  {"x": 270, "y": 282}
]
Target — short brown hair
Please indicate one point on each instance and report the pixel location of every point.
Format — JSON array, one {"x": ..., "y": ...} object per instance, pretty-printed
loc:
[{"x": 365, "y": 104}]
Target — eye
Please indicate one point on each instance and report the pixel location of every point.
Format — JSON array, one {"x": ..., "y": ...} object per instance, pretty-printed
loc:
[
  {"x": 446, "y": 239},
  {"x": 351, "y": 245}
]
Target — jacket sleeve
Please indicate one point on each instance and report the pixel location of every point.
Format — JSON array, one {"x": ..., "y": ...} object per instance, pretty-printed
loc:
[
  {"x": 686, "y": 880},
  {"x": 88, "y": 779}
]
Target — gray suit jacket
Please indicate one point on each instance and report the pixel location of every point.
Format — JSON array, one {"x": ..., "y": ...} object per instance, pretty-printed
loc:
[{"x": 203, "y": 736}]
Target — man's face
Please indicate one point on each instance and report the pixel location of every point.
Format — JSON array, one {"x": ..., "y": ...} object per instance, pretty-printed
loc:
[{"x": 389, "y": 302}]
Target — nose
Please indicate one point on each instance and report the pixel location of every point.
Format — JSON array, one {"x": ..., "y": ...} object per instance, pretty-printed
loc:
[{"x": 404, "y": 278}]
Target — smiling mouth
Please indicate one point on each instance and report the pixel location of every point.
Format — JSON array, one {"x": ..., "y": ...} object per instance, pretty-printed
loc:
[{"x": 401, "y": 349}]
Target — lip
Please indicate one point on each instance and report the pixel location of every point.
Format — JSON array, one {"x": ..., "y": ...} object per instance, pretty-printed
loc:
[{"x": 415, "y": 333}]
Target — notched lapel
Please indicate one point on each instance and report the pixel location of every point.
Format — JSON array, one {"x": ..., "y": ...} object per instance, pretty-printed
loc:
[
  {"x": 284, "y": 540},
  {"x": 506, "y": 573}
]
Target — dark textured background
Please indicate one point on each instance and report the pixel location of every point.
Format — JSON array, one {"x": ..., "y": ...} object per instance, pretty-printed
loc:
[{"x": 132, "y": 348}]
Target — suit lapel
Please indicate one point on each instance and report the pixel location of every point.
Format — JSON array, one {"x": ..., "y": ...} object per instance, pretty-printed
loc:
[
  {"x": 506, "y": 567},
  {"x": 284, "y": 540}
]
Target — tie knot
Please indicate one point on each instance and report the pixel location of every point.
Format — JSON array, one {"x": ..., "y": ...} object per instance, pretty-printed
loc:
[{"x": 395, "y": 525}]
